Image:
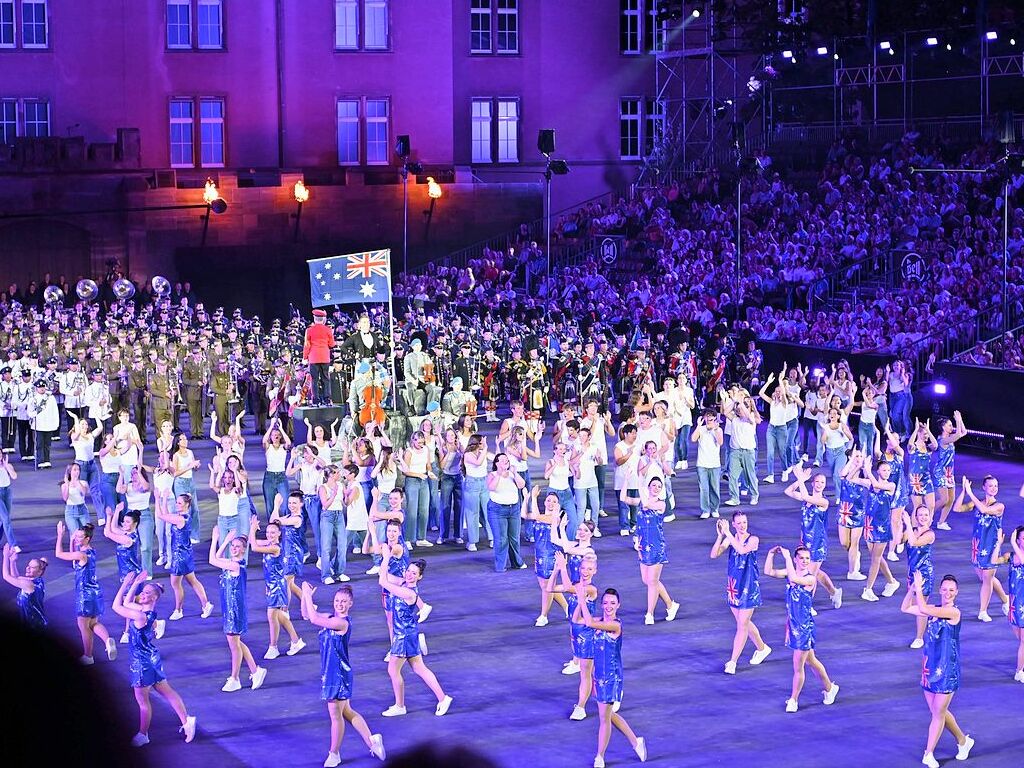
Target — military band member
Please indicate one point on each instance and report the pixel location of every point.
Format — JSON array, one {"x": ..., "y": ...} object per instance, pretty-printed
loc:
[
  {"x": 490, "y": 388},
  {"x": 8, "y": 425},
  {"x": 535, "y": 385},
  {"x": 22, "y": 400},
  {"x": 137, "y": 381},
  {"x": 193, "y": 384},
  {"x": 45, "y": 420},
  {"x": 72, "y": 385},
  {"x": 220, "y": 386},
  {"x": 420, "y": 379},
  {"x": 117, "y": 379},
  {"x": 161, "y": 393},
  {"x": 97, "y": 399}
]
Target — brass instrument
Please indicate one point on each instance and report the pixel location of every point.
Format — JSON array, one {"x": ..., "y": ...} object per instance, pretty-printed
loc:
[{"x": 233, "y": 379}]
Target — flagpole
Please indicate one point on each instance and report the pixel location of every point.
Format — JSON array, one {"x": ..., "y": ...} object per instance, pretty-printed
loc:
[{"x": 391, "y": 330}]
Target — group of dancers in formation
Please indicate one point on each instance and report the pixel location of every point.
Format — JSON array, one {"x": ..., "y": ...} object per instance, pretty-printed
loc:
[{"x": 887, "y": 496}]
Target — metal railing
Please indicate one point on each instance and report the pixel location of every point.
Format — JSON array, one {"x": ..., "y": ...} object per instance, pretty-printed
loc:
[
  {"x": 874, "y": 271},
  {"x": 963, "y": 128}
]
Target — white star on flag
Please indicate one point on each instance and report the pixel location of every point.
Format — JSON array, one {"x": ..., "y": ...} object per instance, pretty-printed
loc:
[
  {"x": 337, "y": 276},
  {"x": 367, "y": 290},
  {"x": 327, "y": 296},
  {"x": 319, "y": 275},
  {"x": 323, "y": 282},
  {"x": 327, "y": 266}
]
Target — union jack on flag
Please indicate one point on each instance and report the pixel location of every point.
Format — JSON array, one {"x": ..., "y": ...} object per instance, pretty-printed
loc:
[{"x": 351, "y": 278}]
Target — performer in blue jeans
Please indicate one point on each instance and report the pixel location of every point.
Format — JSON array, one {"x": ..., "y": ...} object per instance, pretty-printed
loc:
[
  {"x": 503, "y": 509},
  {"x": 332, "y": 526}
]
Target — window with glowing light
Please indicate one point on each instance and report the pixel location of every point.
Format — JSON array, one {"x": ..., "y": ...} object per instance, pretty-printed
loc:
[
  {"x": 211, "y": 133},
  {"x": 211, "y": 24},
  {"x": 179, "y": 23},
  {"x": 375, "y": 30},
  {"x": 482, "y": 128},
  {"x": 362, "y": 25},
  {"x": 6, "y": 23},
  {"x": 34, "y": 32},
  {"x": 348, "y": 131},
  {"x": 508, "y": 130},
  {"x": 181, "y": 133},
  {"x": 378, "y": 148}
]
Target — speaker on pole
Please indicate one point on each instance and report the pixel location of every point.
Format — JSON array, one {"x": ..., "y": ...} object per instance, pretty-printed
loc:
[
  {"x": 403, "y": 148},
  {"x": 546, "y": 141}
]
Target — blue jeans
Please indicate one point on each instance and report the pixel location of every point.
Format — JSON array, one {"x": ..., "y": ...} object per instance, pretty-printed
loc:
[
  {"x": 275, "y": 483},
  {"x": 835, "y": 459},
  {"x": 5, "y": 515},
  {"x": 900, "y": 405},
  {"x": 108, "y": 493},
  {"x": 434, "y": 511},
  {"x": 75, "y": 516},
  {"x": 417, "y": 508},
  {"x": 505, "y": 526},
  {"x": 228, "y": 527},
  {"x": 587, "y": 503},
  {"x": 187, "y": 485},
  {"x": 527, "y": 525},
  {"x": 792, "y": 428},
  {"x": 567, "y": 500},
  {"x": 708, "y": 479},
  {"x": 332, "y": 526},
  {"x": 866, "y": 437},
  {"x": 627, "y": 512},
  {"x": 474, "y": 507},
  {"x": 90, "y": 474},
  {"x": 776, "y": 439},
  {"x": 311, "y": 519},
  {"x": 742, "y": 461},
  {"x": 808, "y": 428},
  {"x": 147, "y": 531},
  {"x": 683, "y": 442},
  {"x": 451, "y": 506}
]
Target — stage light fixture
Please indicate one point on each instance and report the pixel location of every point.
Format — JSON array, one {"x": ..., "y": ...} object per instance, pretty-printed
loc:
[
  {"x": 991, "y": 35},
  {"x": 1013, "y": 41},
  {"x": 822, "y": 51},
  {"x": 696, "y": 13},
  {"x": 787, "y": 54},
  {"x": 931, "y": 42},
  {"x": 940, "y": 388},
  {"x": 210, "y": 192},
  {"x": 892, "y": 52},
  {"x": 835, "y": 56},
  {"x": 949, "y": 46},
  {"x": 885, "y": 45}
]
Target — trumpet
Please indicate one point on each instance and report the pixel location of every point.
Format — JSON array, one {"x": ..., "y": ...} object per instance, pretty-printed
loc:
[{"x": 233, "y": 379}]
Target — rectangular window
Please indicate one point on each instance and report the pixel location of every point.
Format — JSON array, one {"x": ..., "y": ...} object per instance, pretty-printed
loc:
[
  {"x": 629, "y": 26},
  {"x": 480, "y": 26},
  {"x": 482, "y": 128},
  {"x": 508, "y": 26},
  {"x": 654, "y": 31},
  {"x": 182, "y": 134},
  {"x": 346, "y": 24},
  {"x": 629, "y": 129},
  {"x": 375, "y": 32},
  {"x": 211, "y": 133},
  {"x": 211, "y": 24},
  {"x": 348, "y": 132},
  {"x": 8, "y": 121},
  {"x": 654, "y": 125},
  {"x": 37, "y": 118},
  {"x": 179, "y": 23},
  {"x": 377, "y": 147},
  {"x": 33, "y": 24},
  {"x": 508, "y": 130},
  {"x": 6, "y": 23}
]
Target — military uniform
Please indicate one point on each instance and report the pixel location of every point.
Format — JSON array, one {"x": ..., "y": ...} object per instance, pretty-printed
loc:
[
  {"x": 160, "y": 394},
  {"x": 220, "y": 385},
  {"x": 137, "y": 395},
  {"x": 193, "y": 382}
]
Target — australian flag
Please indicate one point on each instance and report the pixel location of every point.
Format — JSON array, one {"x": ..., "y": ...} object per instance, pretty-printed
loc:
[{"x": 352, "y": 278}]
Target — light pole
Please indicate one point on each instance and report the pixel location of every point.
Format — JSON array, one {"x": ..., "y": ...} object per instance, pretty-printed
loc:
[{"x": 301, "y": 192}]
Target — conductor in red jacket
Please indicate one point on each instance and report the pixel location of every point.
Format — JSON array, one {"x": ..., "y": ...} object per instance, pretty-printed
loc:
[{"x": 316, "y": 351}]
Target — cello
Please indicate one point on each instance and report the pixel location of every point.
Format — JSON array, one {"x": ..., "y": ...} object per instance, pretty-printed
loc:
[{"x": 372, "y": 396}]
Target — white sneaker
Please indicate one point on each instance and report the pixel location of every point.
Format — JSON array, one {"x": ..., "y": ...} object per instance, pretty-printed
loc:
[
  {"x": 329, "y": 580},
  {"x": 760, "y": 655},
  {"x": 769, "y": 480},
  {"x": 837, "y": 598},
  {"x": 598, "y": 761},
  {"x": 140, "y": 740},
  {"x": 443, "y": 705},
  {"x": 356, "y": 551},
  {"x": 232, "y": 684},
  {"x": 572, "y": 668},
  {"x": 892, "y": 557},
  {"x": 333, "y": 760},
  {"x": 963, "y": 751},
  {"x": 318, "y": 563},
  {"x": 343, "y": 577},
  {"x": 189, "y": 728},
  {"x": 891, "y": 589},
  {"x": 983, "y": 616},
  {"x": 542, "y": 621},
  {"x": 686, "y": 465},
  {"x": 856, "y": 576},
  {"x": 373, "y": 571},
  {"x": 641, "y": 744},
  {"x": 124, "y": 638},
  {"x": 423, "y": 644},
  {"x": 730, "y": 667},
  {"x": 624, "y": 532},
  {"x": 754, "y": 501},
  {"x": 598, "y": 534},
  {"x": 295, "y": 647},
  {"x": 1019, "y": 676},
  {"x": 791, "y": 706},
  {"x": 111, "y": 649},
  {"x": 423, "y": 543},
  {"x": 178, "y": 614},
  {"x": 785, "y": 476},
  {"x": 715, "y": 513},
  {"x": 670, "y": 614},
  {"x": 471, "y": 547},
  {"x": 377, "y": 746},
  {"x": 272, "y": 653},
  {"x": 917, "y": 643},
  {"x": 1006, "y": 608},
  {"x": 648, "y": 618},
  {"x": 669, "y": 518},
  {"x": 393, "y": 711},
  {"x": 424, "y": 612},
  {"x": 160, "y": 560},
  {"x": 705, "y": 515},
  {"x": 258, "y": 677},
  {"x": 943, "y": 527},
  {"x": 159, "y": 628},
  {"x": 207, "y": 610},
  {"x": 578, "y": 713},
  {"x": 868, "y": 595},
  {"x": 929, "y": 760},
  {"x": 88, "y": 661},
  {"x": 679, "y": 465},
  {"x": 732, "y": 502},
  {"x": 829, "y": 696}
]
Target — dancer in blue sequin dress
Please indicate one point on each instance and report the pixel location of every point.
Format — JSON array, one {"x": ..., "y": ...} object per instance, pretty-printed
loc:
[
  {"x": 31, "y": 587},
  {"x": 128, "y": 550},
  {"x": 850, "y": 514},
  {"x": 919, "y": 465},
  {"x": 988, "y": 524},
  {"x": 800, "y": 630},
  {"x": 336, "y": 676},
  {"x": 580, "y": 635},
  {"x": 608, "y": 670},
  {"x": 814, "y": 524},
  {"x": 88, "y": 594},
  {"x": 234, "y": 609},
  {"x": 288, "y": 513},
  {"x": 940, "y": 667},
  {"x": 1015, "y": 590},
  {"x": 742, "y": 588},
  {"x": 878, "y": 527},
  {"x": 181, "y": 560},
  {"x": 650, "y": 544},
  {"x": 136, "y": 600},
  {"x": 272, "y": 550},
  {"x": 944, "y": 473},
  {"x": 544, "y": 522},
  {"x": 405, "y": 646}
]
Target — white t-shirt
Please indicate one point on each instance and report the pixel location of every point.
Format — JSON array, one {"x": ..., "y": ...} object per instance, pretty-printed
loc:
[
  {"x": 709, "y": 452},
  {"x": 588, "y": 459},
  {"x": 625, "y": 473},
  {"x": 506, "y": 492},
  {"x": 276, "y": 457},
  {"x": 744, "y": 435},
  {"x": 356, "y": 516}
]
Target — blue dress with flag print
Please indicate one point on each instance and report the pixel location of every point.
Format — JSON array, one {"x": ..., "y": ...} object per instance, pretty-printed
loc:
[
  {"x": 799, "y": 620},
  {"x": 88, "y": 593},
  {"x": 919, "y": 474},
  {"x": 898, "y": 477},
  {"x": 608, "y": 666},
  {"x": 743, "y": 585},
  {"x": 920, "y": 559},
  {"x": 940, "y": 667},
  {"x": 813, "y": 520},
  {"x": 878, "y": 518},
  {"x": 146, "y": 667},
  {"x": 336, "y": 676},
  {"x": 396, "y": 568},
  {"x": 851, "y": 504},
  {"x": 273, "y": 574},
  {"x": 129, "y": 556},
  {"x": 983, "y": 541},
  {"x": 291, "y": 549},
  {"x": 31, "y": 605},
  {"x": 182, "y": 559},
  {"x": 543, "y": 550},
  {"x": 650, "y": 531},
  {"x": 232, "y": 601},
  {"x": 944, "y": 476},
  {"x": 406, "y": 625},
  {"x": 581, "y": 635},
  {"x": 1015, "y": 591}
]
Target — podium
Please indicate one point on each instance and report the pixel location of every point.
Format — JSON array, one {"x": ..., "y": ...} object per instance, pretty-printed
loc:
[{"x": 319, "y": 415}]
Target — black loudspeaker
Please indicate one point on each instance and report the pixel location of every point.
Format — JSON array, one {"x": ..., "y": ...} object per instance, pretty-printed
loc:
[
  {"x": 402, "y": 146},
  {"x": 546, "y": 141}
]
